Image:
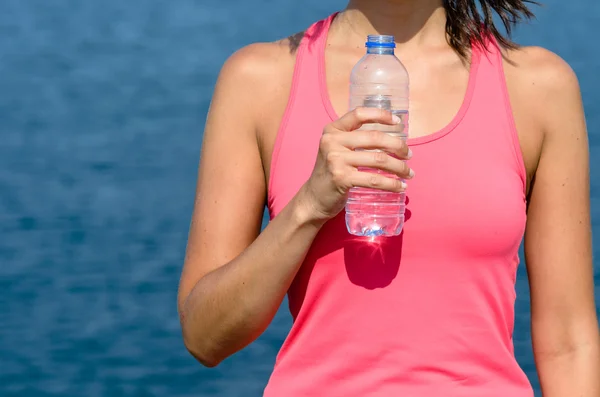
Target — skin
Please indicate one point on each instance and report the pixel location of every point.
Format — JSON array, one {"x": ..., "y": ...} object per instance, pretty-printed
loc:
[{"x": 235, "y": 277}]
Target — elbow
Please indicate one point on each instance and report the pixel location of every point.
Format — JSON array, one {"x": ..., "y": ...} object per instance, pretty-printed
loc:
[
  {"x": 205, "y": 356},
  {"x": 565, "y": 338},
  {"x": 194, "y": 340},
  {"x": 208, "y": 363},
  {"x": 207, "y": 360},
  {"x": 200, "y": 348}
]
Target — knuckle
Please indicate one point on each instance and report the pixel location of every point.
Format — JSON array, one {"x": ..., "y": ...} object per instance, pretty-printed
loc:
[
  {"x": 332, "y": 159},
  {"x": 338, "y": 176},
  {"x": 399, "y": 145},
  {"x": 326, "y": 139},
  {"x": 375, "y": 137},
  {"x": 360, "y": 113},
  {"x": 404, "y": 168},
  {"x": 380, "y": 157},
  {"x": 397, "y": 184},
  {"x": 375, "y": 180}
]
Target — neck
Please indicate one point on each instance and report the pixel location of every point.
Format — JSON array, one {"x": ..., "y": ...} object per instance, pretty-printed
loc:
[{"x": 410, "y": 21}]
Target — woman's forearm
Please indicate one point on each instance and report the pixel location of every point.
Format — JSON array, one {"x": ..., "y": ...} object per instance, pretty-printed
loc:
[{"x": 231, "y": 306}]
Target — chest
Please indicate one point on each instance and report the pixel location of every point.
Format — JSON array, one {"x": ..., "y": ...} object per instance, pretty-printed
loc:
[
  {"x": 438, "y": 87},
  {"x": 440, "y": 95},
  {"x": 471, "y": 201}
]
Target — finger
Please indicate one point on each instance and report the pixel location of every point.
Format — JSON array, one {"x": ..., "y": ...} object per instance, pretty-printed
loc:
[
  {"x": 379, "y": 160},
  {"x": 395, "y": 145},
  {"x": 376, "y": 181},
  {"x": 356, "y": 118}
]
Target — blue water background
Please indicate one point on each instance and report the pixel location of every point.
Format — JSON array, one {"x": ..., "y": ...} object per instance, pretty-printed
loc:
[{"x": 102, "y": 106}]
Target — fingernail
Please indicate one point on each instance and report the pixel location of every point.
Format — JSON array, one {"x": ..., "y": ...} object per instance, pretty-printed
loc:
[
  {"x": 396, "y": 119},
  {"x": 409, "y": 154},
  {"x": 411, "y": 173},
  {"x": 404, "y": 185}
]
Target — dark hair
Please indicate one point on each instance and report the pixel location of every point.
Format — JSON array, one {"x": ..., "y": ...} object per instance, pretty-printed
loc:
[{"x": 466, "y": 25}]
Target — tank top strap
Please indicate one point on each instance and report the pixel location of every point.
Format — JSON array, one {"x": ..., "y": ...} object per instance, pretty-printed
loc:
[
  {"x": 303, "y": 120},
  {"x": 308, "y": 59},
  {"x": 490, "y": 106}
]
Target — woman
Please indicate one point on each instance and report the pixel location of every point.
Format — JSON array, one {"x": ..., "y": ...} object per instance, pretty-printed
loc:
[{"x": 497, "y": 147}]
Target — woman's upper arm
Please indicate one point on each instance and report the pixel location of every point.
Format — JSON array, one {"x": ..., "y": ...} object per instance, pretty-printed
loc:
[
  {"x": 558, "y": 237},
  {"x": 231, "y": 189}
]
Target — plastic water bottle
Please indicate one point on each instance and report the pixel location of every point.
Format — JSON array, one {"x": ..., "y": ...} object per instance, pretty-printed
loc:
[{"x": 379, "y": 80}]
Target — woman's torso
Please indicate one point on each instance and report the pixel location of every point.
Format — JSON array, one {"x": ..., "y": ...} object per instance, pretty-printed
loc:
[{"x": 430, "y": 311}]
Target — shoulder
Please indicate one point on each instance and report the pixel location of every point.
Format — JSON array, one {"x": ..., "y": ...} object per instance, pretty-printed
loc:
[
  {"x": 259, "y": 63},
  {"x": 541, "y": 74},
  {"x": 258, "y": 77},
  {"x": 543, "y": 82},
  {"x": 544, "y": 93}
]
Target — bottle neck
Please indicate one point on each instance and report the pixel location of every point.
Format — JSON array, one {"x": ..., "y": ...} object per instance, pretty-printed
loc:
[{"x": 380, "y": 50}]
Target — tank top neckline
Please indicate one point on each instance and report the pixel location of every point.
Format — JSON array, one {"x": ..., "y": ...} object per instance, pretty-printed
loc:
[{"x": 462, "y": 111}]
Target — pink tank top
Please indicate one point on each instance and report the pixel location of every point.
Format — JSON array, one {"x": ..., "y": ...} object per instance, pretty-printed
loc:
[{"x": 428, "y": 313}]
